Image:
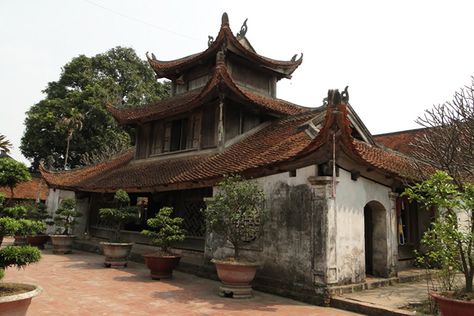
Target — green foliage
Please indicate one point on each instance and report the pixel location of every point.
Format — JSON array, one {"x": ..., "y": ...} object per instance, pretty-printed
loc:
[
  {"x": 18, "y": 256},
  {"x": 29, "y": 227},
  {"x": 2, "y": 200},
  {"x": 66, "y": 216},
  {"x": 85, "y": 85},
  {"x": 449, "y": 241},
  {"x": 237, "y": 211},
  {"x": 12, "y": 172},
  {"x": 164, "y": 229},
  {"x": 5, "y": 145},
  {"x": 37, "y": 211},
  {"x": 8, "y": 226},
  {"x": 117, "y": 217},
  {"x": 16, "y": 211}
]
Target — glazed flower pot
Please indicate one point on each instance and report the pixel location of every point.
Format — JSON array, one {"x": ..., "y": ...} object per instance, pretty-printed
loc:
[
  {"x": 453, "y": 307},
  {"x": 116, "y": 254},
  {"x": 235, "y": 277},
  {"x": 161, "y": 266},
  {"x": 17, "y": 304},
  {"x": 37, "y": 240},
  {"x": 62, "y": 244}
]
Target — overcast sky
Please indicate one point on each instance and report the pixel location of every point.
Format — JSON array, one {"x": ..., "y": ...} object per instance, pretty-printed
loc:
[{"x": 398, "y": 57}]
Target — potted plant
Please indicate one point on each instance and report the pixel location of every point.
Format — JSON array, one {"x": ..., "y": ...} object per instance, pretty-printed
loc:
[
  {"x": 236, "y": 212},
  {"x": 8, "y": 227},
  {"x": 27, "y": 227},
  {"x": 164, "y": 230},
  {"x": 116, "y": 252},
  {"x": 16, "y": 297},
  {"x": 449, "y": 243},
  {"x": 64, "y": 220},
  {"x": 38, "y": 237}
]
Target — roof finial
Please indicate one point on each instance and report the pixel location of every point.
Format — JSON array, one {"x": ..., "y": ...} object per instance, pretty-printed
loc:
[
  {"x": 210, "y": 40},
  {"x": 225, "y": 19},
  {"x": 345, "y": 95},
  {"x": 243, "y": 29},
  {"x": 334, "y": 97}
]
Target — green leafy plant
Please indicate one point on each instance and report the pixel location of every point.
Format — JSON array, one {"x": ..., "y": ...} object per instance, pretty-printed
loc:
[
  {"x": 17, "y": 256},
  {"x": 449, "y": 241},
  {"x": 2, "y": 200},
  {"x": 66, "y": 216},
  {"x": 8, "y": 226},
  {"x": 164, "y": 229},
  {"x": 29, "y": 227},
  {"x": 16, "y": 211},
  {"x": 37, "y": 211},
  {"x": 117, "y": 217},
  {"x": 12, "y": 173},
  {"x": 237, "y": 211}
]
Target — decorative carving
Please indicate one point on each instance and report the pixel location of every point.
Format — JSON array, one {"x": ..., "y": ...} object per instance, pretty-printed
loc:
[
  {"x": 210, "y": 40},
  {"x": 243, "y": 29},
  {"x": 225, "y": 19},
  {"x": 335, "y": 97},
  {"x": 293, "y": 59},
  {"x": 220, "y": 57},
  {"x": 153, "y": 57},
  {"x": 345, "y": 95}
]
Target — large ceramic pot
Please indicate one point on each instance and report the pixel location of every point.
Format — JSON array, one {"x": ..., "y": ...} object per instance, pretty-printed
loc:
[
  {"x": 161, "y": 266},
  {"x": 235, "y": 277},
  {"x": 116, "y": 254},
  {"x": 20, "y": 241},
  {"x": 62, "y": 244},
  {"x": 37, "y": 240},
  {"x": 17, "y": 304},
  {"x": 453, "y": 307}
]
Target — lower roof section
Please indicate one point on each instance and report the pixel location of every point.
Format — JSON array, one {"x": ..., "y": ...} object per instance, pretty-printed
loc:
[{"x": 283, "y": 141}]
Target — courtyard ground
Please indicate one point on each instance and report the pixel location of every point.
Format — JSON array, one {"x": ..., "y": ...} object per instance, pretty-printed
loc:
[{"x": 78, "y": 284}]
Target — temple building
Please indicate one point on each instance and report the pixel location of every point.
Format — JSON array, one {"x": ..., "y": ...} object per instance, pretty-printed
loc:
[{"x": 332, "y": 189}]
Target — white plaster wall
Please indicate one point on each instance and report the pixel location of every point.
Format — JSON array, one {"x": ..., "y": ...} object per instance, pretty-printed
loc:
[
  {"x": 285, "y": 248},
  {"x": 348, "y": 254},
  {"x": 55, "y": 197}
]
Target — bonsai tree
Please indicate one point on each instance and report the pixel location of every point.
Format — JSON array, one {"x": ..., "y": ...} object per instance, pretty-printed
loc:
[
  {"x": 28, "y": 227},
  {"x": 164, "y": 229},
  {"x": 16, "y": 211},
  {"x": 37, "y": 211},
  {"x": 236, "y": 212},
  {"x": 117, "y": 217},
  {"x": 12, "y": 172},
  {"x": 17, "y": 256},
  {"x": 65, "y": 217},
  {"x": 8, "y": 226},
  {"x": 449, "y": 241}
]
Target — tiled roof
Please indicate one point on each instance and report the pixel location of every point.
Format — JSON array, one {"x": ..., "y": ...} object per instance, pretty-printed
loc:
[
  {"x": 28, "y": 190},
  {"x": 280, "y": 141},
  {"x": 277, "y": 142},
  {"x": 225, "y": 38},
  {"x": 388, "y": 160},
  {"x": 400, "y": 141},
  {"x": 73, "y": 178},
  {"x": 219, "y": 81}
]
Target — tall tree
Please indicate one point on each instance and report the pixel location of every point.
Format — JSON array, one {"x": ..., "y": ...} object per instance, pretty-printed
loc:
[
  {"x": 5, "y": 144},
  {"x": 72, "y": 122},
  {"x": 448, "y": 140},
  {"x": 86, "y": 84}
]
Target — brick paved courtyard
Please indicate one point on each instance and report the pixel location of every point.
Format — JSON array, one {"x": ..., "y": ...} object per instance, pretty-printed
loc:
[{"x": 78, "y": 284}]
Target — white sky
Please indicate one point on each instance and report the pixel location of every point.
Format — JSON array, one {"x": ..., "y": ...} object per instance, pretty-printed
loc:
[{"x": 398, "y": 57}]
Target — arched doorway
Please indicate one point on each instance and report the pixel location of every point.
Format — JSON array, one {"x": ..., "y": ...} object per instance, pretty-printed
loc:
[{"x": 376, "y": 239}]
